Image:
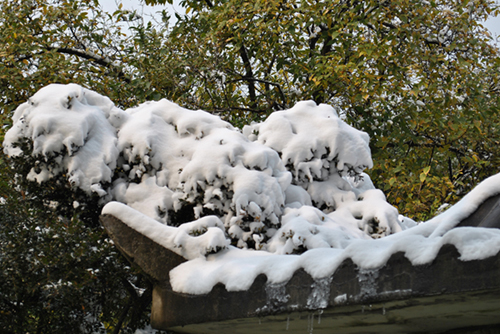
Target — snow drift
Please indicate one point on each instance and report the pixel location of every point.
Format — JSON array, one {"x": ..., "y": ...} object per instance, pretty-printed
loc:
[{"x": 177, "y": 165}]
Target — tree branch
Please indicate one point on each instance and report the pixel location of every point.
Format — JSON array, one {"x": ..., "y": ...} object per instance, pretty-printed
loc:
[
  {"x": 432, "y": 145},
  {"x": 248, "y": 76},
  {"x": 83, "y": 54},
  {"x": 102, "y": 61}
]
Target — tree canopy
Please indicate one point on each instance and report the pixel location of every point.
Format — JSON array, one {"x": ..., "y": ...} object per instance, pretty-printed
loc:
[{"x": 420, "y": 77}]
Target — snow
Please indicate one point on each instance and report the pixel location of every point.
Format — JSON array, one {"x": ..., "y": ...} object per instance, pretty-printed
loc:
[
  {"x": 69, "y": 130},
  {"x": 327, "y": 157},
  {"x": 191, "y": 240},
  {"x": 284, "y": 194},
  {"x": 317, "y": 146},
  {"x": 158, "y": 157},
  {"x": 236, "y": 268},
  {"x": 146, "y": 196}
]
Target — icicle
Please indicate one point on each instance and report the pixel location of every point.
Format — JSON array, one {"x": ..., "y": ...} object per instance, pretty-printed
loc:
[
  {"x": 320, "y": 294},
  {"x": 287, "y": 321},
  {"x": 320, "y": 312}
]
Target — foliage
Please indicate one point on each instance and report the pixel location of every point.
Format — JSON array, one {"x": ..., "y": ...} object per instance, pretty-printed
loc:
[
  {"x": 75, "y": 41},
  {"x": 57, "y": 274}
]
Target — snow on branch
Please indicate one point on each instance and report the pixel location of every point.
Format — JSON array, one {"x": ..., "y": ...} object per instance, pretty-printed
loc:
[
  {"x": 291, "y": 183},
  {"x": 69, "y": 131}
]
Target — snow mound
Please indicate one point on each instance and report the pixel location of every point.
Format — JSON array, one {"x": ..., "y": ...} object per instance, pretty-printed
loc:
[
  {"x": 177, "y": 165},
  {"x": 191, "y": 240},
  {"x": 327, "y": 157},
  {"x": 173, "y": 164},
  {"x": 67, "y": 130},
  {"x": 210, "y": 167},
  {"x": 314, "y": 142}
]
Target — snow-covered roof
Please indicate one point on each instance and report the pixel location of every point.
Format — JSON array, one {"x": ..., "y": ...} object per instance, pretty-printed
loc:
[
  {"x": 284, "y": 194},
  {"x": 238, "y": 268}
]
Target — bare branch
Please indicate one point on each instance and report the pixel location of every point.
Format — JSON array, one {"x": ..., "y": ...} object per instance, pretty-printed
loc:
[
  {"x": 102, "y": 61},
  {"x": 248, "y": 76}
]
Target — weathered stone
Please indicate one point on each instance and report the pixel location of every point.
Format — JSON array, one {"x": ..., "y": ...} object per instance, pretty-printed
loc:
[
  {"x": 447, "y": 295},
  {"x": 155, "y": 260},
  {"x": 397, "y": 298}
]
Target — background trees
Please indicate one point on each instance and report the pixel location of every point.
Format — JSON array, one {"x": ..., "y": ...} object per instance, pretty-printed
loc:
[{"x": 419, "y": 76}]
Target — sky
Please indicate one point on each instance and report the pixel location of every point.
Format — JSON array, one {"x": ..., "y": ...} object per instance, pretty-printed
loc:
[
  {"x": 493, "y": 25},
  {"x": 144, "y": 10}
]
